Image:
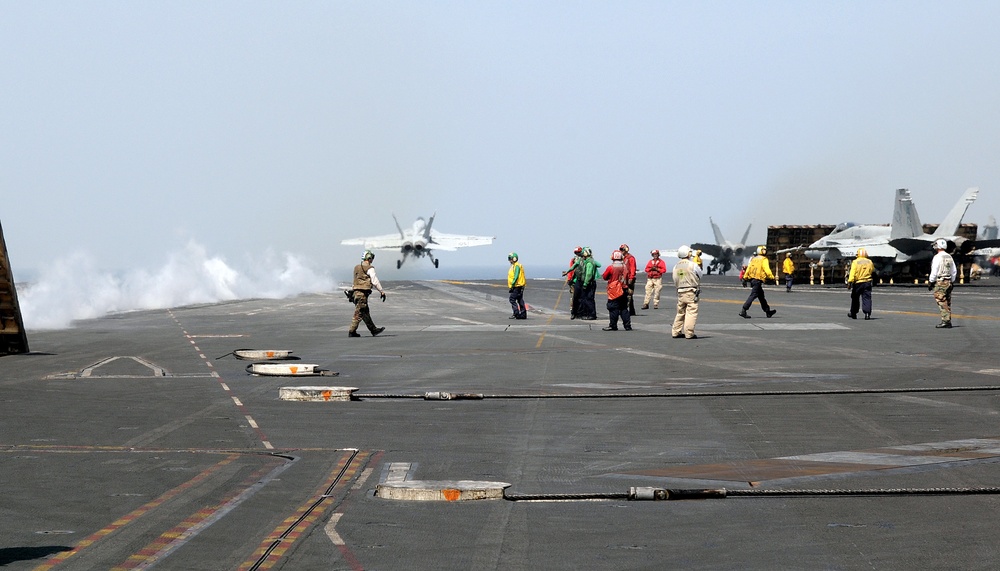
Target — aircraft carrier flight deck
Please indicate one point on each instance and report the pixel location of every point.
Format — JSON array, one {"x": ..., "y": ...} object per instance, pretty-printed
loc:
[{"x": 472, "y": 441}]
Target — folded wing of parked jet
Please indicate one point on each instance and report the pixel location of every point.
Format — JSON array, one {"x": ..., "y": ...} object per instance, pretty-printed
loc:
[
  {"x": 901, "y": 243},
  {"x": 920, "y": 243}
]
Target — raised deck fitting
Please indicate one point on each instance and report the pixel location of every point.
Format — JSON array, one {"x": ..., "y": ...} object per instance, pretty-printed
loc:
[
  {"x": 441, "y": 491},
  {"x": 262, "y": 354},
  {"x": 316, "y": 394},
  {"x": 289, "y": 370}
]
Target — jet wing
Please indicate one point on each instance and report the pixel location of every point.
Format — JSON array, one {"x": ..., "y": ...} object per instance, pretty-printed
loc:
[
  {"x": 910, "y": 246},
  {"x": 987, "y": 244},
  {"x": 384, "y": 242},
  {"x": 713, "y": 250},
  {"x": 795, "y": 249},
  {"x": 452, "y": 242}
]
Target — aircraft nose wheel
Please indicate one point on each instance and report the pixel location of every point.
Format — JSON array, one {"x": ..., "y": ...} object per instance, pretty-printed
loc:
[
  {"x": 399, "y": 264},
  {"x": 436, "y": 263}
]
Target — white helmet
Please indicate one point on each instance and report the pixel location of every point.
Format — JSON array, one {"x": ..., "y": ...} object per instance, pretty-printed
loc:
[
  {"x": 684, "y": 252},
  {"x": 940, "y": 244}
]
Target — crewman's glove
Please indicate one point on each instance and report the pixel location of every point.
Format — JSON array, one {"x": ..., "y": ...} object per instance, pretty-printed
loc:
[
  {"x": 744, "y": 283},
  {"x": 930, "y": 286},
  {"x": 511, "y": 290},
  {"x": 383, "y": 296}
]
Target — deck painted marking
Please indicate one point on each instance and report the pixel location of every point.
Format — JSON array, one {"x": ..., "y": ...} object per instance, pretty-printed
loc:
[
  {"x": 273, "y": 548},
  {"x": 175, "y": 538},
  {"x": 828, "y": 463},
  {"x": 134, "y": 515}
]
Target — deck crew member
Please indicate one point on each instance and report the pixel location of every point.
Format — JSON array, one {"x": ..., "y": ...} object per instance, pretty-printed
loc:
[
  {"x": 617, "y": 277},
  {"x": 586, "y": 276},
  {"x": 515, "y": 284},
  {"x": 364, "y": 280},
  {"x": 757, "y": 272},
  {"x": 655, "y": 268},
  {"x": 860, "y": 282},
  {"x": 687, "y": 280},
  {"x": 630, "y": 271},
  {"x": 788, "y": 268},
  {"x": 942, "y": 280}
]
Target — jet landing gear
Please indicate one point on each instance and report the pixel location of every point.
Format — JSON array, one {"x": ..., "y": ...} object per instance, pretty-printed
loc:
[
  {"x": 399, "y": 264},
  {"x": 435, "y": 260}
]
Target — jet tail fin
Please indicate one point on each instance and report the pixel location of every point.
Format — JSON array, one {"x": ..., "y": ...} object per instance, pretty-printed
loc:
[
  {"x": 718, "y": 233},
  {"x": 905, "y": 220},
  {"x": 430, "y": 222},
  {"x": 949, "y": 226},
  {"x": 746, "y": 235},
  {"x": 401, "y": 234}
]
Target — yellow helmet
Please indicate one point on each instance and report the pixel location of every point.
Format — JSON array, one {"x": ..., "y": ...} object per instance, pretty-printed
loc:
[
  {"x": 862, "y": 253},
  {"x": 761, "y": 250}
]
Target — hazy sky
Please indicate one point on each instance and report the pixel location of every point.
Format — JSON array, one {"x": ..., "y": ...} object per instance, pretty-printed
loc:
[{"x": 131, "y": 130}]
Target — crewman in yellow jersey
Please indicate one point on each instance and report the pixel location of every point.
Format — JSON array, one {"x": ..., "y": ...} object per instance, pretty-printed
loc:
[
  {"x": 860, "y": 282},
  {"x": 788, "y": 268},
  {"x": 758, "y": 271},
  {"x": 515, "y": 283}
]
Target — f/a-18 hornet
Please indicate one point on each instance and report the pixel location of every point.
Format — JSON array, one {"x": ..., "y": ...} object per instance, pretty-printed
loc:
[
  {"x": 418, "y": 241},
  {"x": 726, "y": 254}
]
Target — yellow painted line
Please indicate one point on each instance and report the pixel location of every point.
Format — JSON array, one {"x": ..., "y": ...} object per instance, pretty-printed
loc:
[
  {"x": 134, "y": 515},
  {"x": 548, "y": 322}
]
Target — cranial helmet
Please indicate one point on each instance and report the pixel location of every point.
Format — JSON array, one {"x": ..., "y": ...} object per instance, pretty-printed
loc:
[
  {"x": 684, "y": 252},
  {"x": 862, "y": 253},
  {"x": 368, "y": 256},
  {"x": 578, "y": 250},
  {"x": 512, "y": 257},
  {"x": 616, "y": 255},
  {"x": 761, "y": 250},
  {"x": 654, "y": 253},
  {"x": 623, "y": 247},
  {"x": 940, "y": 244}
]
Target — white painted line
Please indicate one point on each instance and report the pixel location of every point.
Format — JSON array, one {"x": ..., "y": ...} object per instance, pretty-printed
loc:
[
  {"x": 225, "y": 387},
  {"x": 237, "y": 401},
  {"x": 331, "y": 530},
  {"x": 268, "y": 445},
  {"x": 217, "y": 376},
  {"x": 365, "y": 474},
  {"x": 252, "y": 422},
  {"x": 771, "y": 326},
  {"x": 465, "y": 320},
  {"x": 397, "y": 472}
]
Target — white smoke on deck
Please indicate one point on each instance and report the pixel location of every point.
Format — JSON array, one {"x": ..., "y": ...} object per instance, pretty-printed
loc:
[{"x": 74, "y": 288}]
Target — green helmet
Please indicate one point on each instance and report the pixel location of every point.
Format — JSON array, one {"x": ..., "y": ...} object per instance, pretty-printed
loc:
[
  {"x": 368, "y": 256},
  {"x": 512, "y": 257}
]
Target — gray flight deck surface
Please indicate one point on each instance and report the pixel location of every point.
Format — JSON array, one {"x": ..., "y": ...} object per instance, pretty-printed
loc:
[{"x": 170, "y": 457}]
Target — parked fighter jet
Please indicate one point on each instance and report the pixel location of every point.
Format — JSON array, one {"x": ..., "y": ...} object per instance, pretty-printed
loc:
[
  {"x": 898, "y": 244},
  {"x": 725, "y": 254},
  {"x": 418, "y": 241}
]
